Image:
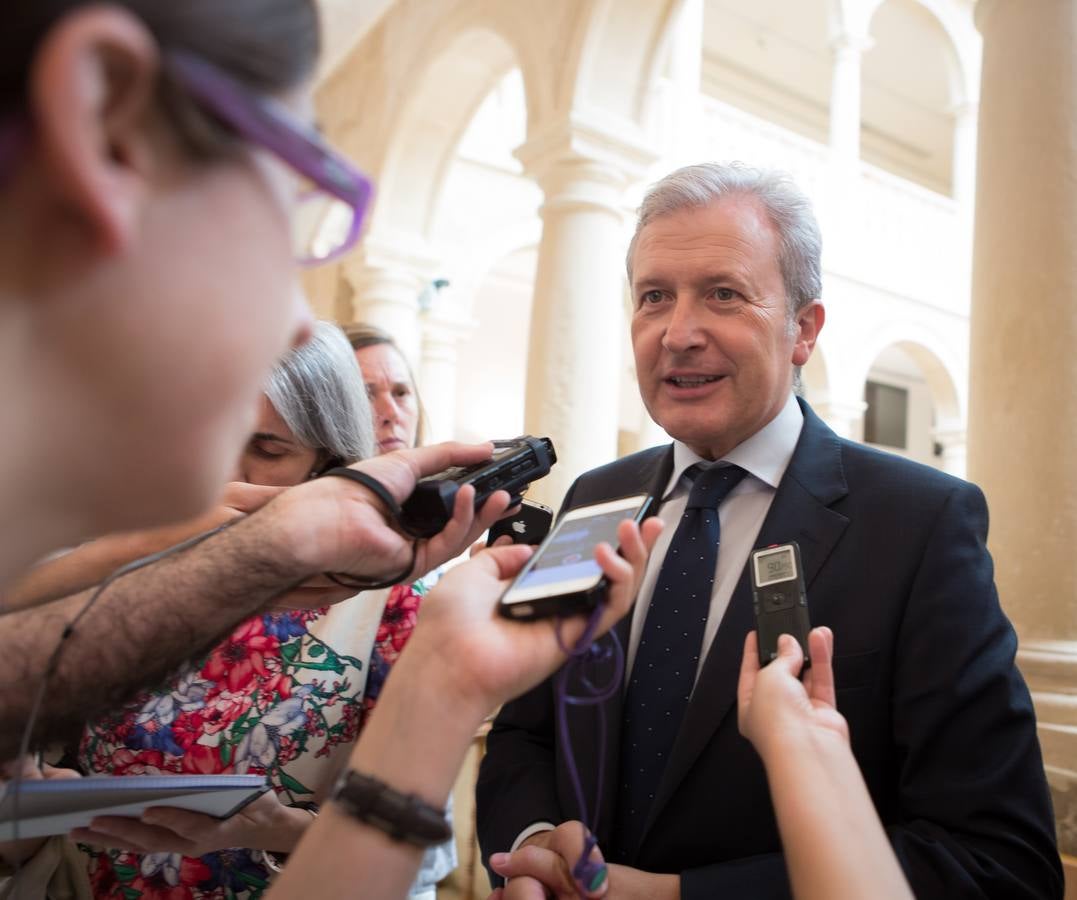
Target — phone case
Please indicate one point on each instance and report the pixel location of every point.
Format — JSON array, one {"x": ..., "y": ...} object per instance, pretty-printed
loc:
[
  {"x": 571, "y": 603},
  {"x": 529, "y": 526}
]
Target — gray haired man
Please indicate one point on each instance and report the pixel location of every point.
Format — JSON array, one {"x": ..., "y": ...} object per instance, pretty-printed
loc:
[{"x": 724, "y": 271}]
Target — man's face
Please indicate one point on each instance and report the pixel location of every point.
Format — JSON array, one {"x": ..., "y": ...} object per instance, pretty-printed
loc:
[{"x": 713, "y": 344}]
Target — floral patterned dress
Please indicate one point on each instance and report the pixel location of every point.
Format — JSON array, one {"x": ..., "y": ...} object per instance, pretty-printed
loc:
[{"x": 284, "y": 694}]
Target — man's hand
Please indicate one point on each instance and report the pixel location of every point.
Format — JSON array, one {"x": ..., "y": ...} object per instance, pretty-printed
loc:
[
  {"x": 542, "y": 867},
  {"x": 265, "y": 824},
  {"x": 775, "y": 710},
  {"x": 335, "y": 525}
]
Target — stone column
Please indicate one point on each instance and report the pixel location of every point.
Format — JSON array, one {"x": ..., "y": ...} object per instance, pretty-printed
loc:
[
  {"x": 686, "y": 76},
  {"x": 574, "y": 356},
  {"x": 386, "y": 279},
  {"x": 848, "y": 47},
  {"x": 954, "y": 443},
  {"x": 1023, "y": 403},
  {"x": 966, "y": 124},
  {"x": 441, "y": 334},
  {"x": 966, "y": 120}
]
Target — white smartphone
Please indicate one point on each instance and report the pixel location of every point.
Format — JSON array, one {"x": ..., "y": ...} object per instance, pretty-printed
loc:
[{"x": 562, "y": 577}]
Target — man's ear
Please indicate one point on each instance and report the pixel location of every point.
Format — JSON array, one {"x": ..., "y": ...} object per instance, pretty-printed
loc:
[
  {"x": 91, "y": 97},
  {"x": 808, "y": 323}
]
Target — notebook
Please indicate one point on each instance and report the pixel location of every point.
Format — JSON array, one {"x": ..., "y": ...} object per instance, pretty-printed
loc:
[{"x": 57, "y": 806}]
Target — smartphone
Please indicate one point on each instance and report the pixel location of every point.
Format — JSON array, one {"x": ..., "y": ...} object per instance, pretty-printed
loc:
[
  {"x": 780, "y": 599},
  {"x": 529, "y": 526},
  {"x": 562, "y": 578}
]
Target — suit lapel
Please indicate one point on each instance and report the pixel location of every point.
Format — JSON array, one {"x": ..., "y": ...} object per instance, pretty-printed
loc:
[{"x": 800, "y": 512}]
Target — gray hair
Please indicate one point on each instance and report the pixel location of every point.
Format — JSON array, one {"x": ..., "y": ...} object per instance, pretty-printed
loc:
[
  {"x": 790, "y": 212},
  {"x": 319, "y": 392}
]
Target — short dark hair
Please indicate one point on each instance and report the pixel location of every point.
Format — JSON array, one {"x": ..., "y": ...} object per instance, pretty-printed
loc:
[{"x": 269, "y": 46}]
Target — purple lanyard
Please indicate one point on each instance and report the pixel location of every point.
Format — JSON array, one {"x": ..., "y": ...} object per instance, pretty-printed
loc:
[{"x": 586, "y": 656}]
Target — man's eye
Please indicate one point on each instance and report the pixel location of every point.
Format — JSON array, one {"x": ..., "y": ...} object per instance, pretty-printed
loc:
[
  {"x": 725, "y": 294},
  {"x": 650, "y": 298}
]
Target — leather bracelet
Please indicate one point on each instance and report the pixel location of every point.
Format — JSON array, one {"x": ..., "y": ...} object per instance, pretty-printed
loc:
[{"x": 404, "y": 817}]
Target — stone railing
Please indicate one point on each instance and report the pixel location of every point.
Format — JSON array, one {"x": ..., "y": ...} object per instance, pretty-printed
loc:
[{"x": 879, "y": 228}]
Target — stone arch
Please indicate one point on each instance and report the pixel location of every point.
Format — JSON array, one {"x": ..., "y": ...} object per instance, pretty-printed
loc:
[
  {"x": 908, "y": 111},
  {"x": 431, "y": 122},
  {"x": 934, "y": 361},
  {"x": 771, "y": 59},
  {"x": 959, "y": 66},
  {"x": 629, "y": 37}
]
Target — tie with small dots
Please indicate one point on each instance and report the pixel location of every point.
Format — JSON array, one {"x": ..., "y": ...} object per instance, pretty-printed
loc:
[{"x": 667, "y": 658}]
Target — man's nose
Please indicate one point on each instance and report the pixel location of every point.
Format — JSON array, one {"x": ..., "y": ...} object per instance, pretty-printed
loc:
[{"x": 683, "y": 331}]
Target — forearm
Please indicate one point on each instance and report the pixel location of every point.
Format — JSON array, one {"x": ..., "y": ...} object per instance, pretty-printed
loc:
[
  {"x": 415, "y": 743},
  {"x": 835, "y": 845},
  {"x": 140, "y": 628},
  {"x": 86, "y": 566}
]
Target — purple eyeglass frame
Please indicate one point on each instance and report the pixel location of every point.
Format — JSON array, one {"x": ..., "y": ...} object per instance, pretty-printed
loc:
[
  {"x": 259, "y": 120},
  {"x": 270, "y": 125}
]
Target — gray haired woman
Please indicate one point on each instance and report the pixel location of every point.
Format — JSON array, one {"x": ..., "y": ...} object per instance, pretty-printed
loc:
[{"x": 282, "y": 695}]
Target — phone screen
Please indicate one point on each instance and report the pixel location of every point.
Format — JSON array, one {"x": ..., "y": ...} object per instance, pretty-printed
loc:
[{"x": 567, "y": 554}]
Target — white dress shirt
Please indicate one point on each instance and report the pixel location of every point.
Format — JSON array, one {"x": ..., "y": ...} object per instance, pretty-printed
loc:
[{"x": 764, "y": 456}]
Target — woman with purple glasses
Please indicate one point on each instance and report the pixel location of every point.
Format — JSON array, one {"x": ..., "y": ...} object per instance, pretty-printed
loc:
[{"x": 156, "y": 187}]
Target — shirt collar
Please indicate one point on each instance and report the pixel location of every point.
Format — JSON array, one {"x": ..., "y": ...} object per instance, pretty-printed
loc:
[{"x": 765, "y": 455}]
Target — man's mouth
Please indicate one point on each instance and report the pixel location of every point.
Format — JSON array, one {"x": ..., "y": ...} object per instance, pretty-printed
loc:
[{"x": 692, "y": 380}]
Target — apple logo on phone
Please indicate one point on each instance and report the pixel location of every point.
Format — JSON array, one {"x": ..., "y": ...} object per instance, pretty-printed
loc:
[{"x": 519, "y": 527}]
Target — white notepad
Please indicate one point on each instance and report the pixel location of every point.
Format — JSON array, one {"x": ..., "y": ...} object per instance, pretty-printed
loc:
[{"x": 55, "y": 807}]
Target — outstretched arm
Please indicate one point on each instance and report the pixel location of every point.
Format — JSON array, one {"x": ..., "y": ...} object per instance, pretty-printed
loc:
[
  {"x": 835, "y": 845},
  {"x": 462, "y": 660},
  {"x": 147, "y": 622}
]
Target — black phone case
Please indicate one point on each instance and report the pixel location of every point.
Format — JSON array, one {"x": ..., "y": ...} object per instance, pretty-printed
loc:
[
  {"x": 529, "y": 526},
  {"x": 772, "y": 620}
]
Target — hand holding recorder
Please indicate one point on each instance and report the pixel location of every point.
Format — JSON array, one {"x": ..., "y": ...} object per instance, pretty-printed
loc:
[{"x": 335, "y": 525}]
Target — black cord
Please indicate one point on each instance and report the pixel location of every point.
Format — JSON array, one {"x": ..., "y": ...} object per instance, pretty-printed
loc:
[{"x": 15, "y": 785}]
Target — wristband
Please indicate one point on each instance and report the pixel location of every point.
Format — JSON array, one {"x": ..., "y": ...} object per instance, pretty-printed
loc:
[{"x": 404, "y": 817}]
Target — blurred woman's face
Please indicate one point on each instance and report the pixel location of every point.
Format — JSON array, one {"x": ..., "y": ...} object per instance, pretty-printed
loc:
[
  {"x": 274, "y": 456},
  {"x": 392, "y": 397}
]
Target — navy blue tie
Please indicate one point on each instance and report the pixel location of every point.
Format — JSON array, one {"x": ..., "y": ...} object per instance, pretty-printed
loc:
[{"x": 664, "y": 671}]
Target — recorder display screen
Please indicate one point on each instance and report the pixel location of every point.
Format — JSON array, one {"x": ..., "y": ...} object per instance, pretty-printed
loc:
[{"x": 775, "y": 566}]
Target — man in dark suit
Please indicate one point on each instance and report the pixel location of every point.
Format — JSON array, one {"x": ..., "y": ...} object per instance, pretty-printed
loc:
[{"x": 725, "y": 272}]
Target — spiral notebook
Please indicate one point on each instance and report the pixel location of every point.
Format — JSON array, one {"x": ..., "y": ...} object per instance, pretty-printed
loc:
[{"x": 55, "y": 807}]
